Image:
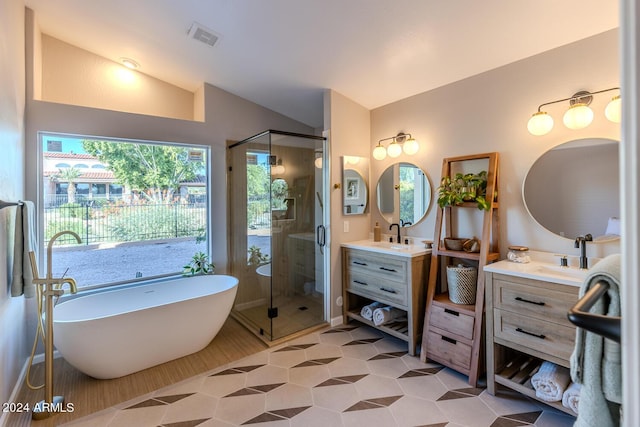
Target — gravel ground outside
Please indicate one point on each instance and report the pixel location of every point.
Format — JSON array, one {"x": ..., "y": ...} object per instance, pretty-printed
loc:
[{"x": 92, "y": 265}]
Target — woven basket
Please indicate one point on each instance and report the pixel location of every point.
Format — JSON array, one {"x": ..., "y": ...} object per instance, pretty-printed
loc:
[{"x": 462, "y": 284}]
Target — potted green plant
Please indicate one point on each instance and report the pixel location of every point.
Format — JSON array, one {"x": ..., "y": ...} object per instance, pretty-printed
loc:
[
  {"x": 470, "y": 187},
  {"x": 199, "y": 264},
  {"x": 256, "y": 257}
]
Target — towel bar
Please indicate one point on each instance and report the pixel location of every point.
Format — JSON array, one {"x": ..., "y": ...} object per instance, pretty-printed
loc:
[
  {"x": 4, "y": 204},
  {"x": 607, "y": 326}
]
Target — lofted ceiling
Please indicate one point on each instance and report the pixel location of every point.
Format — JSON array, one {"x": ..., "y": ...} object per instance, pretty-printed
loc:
[{"x": 282, "y": 54}]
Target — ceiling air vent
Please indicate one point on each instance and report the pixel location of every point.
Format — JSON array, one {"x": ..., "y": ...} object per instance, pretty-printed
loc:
[{"x": 203, "y": 34}]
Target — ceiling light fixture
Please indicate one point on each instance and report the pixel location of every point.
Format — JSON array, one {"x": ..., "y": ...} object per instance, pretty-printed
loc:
[
  {"x": 399, "y": 143},
  {"x": 130, "y": 63},
  {"x": 578, "y": 116}
]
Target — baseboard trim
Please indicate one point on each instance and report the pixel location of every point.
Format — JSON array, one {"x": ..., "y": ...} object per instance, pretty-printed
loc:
[
  {"x": 38, "y": 358},
  {"x": 336, "y": 321}
]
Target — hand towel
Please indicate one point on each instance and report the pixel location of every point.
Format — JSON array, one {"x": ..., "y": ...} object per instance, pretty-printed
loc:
[
  {"x": 367, "y": 310},
  {"x": 550, "y": 382},
  {"x": 571, "y": 397},
  {"x": 386, "y": 314},
  {"x": 595, "y": 362},
  {"x": 24, "y": 241}
]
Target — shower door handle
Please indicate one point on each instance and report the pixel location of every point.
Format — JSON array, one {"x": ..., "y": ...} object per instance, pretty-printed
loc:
[{"x": 321, "y": 235}]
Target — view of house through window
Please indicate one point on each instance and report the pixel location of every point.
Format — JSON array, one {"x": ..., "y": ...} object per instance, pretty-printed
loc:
[{"x": 140, "y": 209}]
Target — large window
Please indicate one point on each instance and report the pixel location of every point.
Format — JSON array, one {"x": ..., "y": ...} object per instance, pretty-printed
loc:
[{"x": 145, "y": 218}]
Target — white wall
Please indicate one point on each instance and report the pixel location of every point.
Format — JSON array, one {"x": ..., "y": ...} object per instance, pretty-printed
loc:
[
  {"x": 71, "y": 75},
  {"x": 349, "y": 124},
  {"x": 13, "y": 336},
  {"x": 489, "y": 112}
]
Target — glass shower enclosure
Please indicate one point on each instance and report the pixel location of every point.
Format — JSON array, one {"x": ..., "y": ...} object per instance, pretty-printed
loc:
[{"x": 276, "y": 190}]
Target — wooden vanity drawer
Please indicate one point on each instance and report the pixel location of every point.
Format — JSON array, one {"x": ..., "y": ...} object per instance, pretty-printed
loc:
[
  {"x": 445, "y": 349},
  {"x": 377, "y": 265},
  {"x": 539, "y": 302},
  {"x": 546, "y": 337},
  {"x": 452, "y": 321},
  {"x": 377, "y": 288}
]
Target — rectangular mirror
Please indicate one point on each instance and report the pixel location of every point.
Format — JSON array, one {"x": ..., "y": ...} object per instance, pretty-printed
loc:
[{"x": 355, "y": 189}]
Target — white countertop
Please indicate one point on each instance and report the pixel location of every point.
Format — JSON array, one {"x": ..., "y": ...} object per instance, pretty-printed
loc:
[
  {"x": 537, "y": 270},
  {"x": 400, "y": 249}
]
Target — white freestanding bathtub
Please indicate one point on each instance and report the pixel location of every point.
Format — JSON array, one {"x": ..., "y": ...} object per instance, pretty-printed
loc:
[{"x": 115, "y": 333}]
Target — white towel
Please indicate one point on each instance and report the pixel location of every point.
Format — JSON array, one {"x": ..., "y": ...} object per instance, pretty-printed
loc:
[
  {"x": 550, "y": 381},
  {"x": 386, "y": 314},
  {"x": 571, "y": 397},
  {"x": 24, "y": 241},
  {"x": 367, "y": 310}
]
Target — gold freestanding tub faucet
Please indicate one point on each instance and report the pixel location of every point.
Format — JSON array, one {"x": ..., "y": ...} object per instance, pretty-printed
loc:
[{"x": 51, "y": 288}]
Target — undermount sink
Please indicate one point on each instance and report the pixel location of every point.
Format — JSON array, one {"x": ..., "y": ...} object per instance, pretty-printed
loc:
[
  {"x": 571, "y": 272},
  {"x": 390, "y": 248},
  {"x": 389, "y": 245}
]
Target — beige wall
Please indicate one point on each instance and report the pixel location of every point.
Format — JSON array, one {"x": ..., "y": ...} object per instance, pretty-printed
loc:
[
  {"x": 489, "y": 112},
  {"x": 13, "y": 333},
  {"x": 71, "y": 75},
  {"x": 349, "y": 125}
]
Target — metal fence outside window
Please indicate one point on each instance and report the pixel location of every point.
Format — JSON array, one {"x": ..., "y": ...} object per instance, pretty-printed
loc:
[{"x": 101, "y": 223}]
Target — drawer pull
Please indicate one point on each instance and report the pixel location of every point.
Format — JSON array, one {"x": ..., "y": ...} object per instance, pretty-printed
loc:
[
  {"x": 451, "y": 312},
  {"x": 391, "y": 291},
  {"x": 530, "y": 302},
  {"x": 360, "y": 283},
  {"x": 388, "y": 269},
  {"x": 359, "y": 263},
  {"x": 449, "y": 340},
  {"x": 530, "y": 333}
]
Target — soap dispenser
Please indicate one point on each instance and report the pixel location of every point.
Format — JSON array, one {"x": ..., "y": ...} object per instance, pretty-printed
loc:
[{"x": 376, "y": 232}]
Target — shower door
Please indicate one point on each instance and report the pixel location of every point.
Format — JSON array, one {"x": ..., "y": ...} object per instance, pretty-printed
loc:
[{"x": 277, "y": 232}]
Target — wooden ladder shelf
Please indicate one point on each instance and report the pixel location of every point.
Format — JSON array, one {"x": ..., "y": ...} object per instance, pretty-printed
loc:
[{"x": 454, "y": 333}]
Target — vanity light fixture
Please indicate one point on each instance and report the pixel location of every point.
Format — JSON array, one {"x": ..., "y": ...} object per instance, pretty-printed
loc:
[
  {"x": 318, "y": 161},
  {"x": 399, "y": 143},
  {"x": 578, "y": 116}
]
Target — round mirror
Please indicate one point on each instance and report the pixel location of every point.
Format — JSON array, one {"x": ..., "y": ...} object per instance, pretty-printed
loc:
[
  {"x": 573, "y": 189},
  {"x": 404, "y": 194}
]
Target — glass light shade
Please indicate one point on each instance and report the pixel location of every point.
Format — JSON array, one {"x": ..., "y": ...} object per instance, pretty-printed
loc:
[
  {"x": 578, "y": 116},
  {"x": 613, "y": 112},
  {"x": 394, "y": 149},
  {"x": 411, "y": 146},
  {"x": 540, "y": 123},
  {"x": 379, "y": 153},
  {"x": 318, "y": 162}
]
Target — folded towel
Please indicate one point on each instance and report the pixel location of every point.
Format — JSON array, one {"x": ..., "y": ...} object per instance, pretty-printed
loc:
[
  {"x": 595, "y": 362},
  {"x": 571, "y": 397},
  {"x": 367, "y": 310},
  {"x": 24, "y": 241},
  {"x": 386, "y": 314},
  {"x": 550, "y": 381}
]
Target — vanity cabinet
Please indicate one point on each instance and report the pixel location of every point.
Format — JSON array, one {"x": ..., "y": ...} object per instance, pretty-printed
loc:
[
  {"x": 394, "y": 280},
  {"x": 526, "y": 325}
]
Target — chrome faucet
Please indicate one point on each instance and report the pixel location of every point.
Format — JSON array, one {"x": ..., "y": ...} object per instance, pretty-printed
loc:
[
  {"x": 581, "y": 242},
  {"x": 399, "y": 239}
]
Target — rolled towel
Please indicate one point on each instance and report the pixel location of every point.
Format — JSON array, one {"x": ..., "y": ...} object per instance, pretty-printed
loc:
[
  {"x": 571, "y": 397},
  {"x": 550, "y": 381},
  {"x": 386, "y": 314},
  {"x": 367, "y": 310}
]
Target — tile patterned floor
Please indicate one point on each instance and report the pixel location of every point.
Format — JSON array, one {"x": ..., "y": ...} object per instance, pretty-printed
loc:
[{"x": 347, "y": 376}]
